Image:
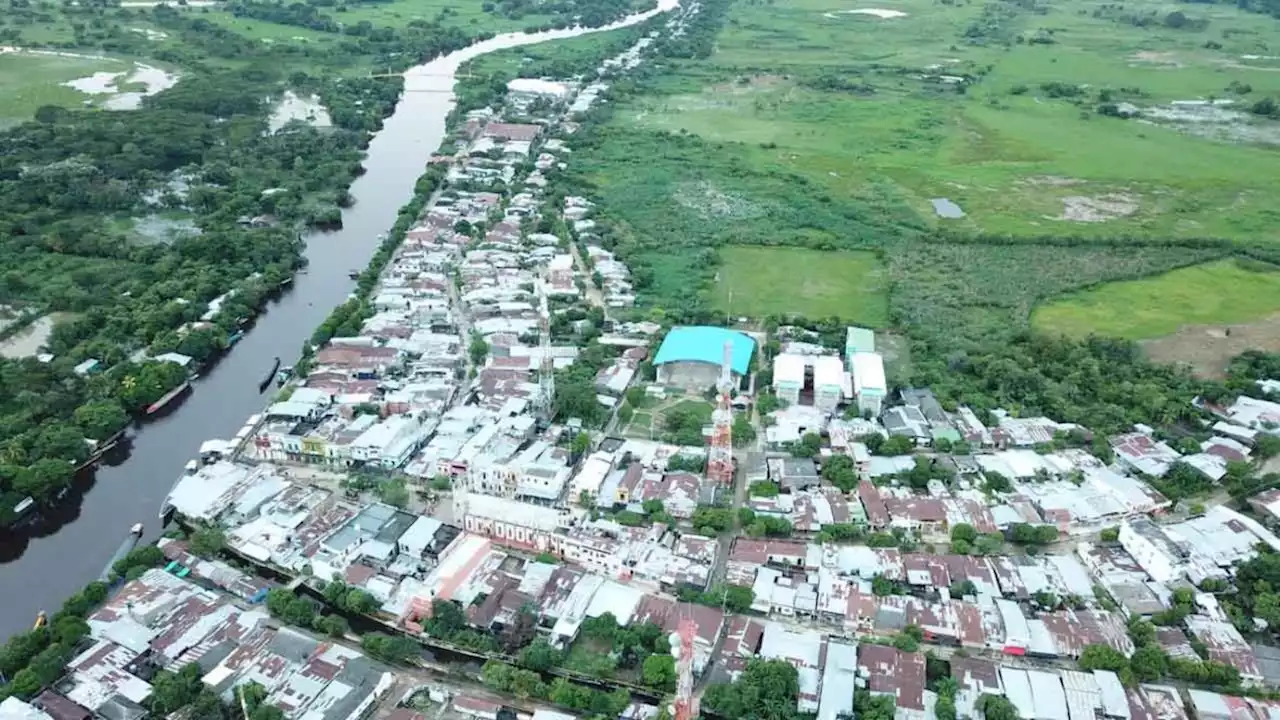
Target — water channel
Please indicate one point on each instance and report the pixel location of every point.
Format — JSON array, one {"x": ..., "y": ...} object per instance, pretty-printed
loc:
[{"x": 40, "y": 566}]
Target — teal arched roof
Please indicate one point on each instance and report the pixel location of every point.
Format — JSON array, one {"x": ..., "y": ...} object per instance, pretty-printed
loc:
[{"x": 703, "y": 343}]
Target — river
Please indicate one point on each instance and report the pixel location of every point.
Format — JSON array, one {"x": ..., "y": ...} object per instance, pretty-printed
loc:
[{"x": 67, "y": 550}]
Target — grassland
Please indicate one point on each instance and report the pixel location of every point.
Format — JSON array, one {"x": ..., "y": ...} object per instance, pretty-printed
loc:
[
  {"x": 813, "y": 127},
  {"x": 29, "y": 81},
  {"x": 759, "y": 281},
  {"x": 1024, "y": 163},
  {"x": 1222, "y": 292}
]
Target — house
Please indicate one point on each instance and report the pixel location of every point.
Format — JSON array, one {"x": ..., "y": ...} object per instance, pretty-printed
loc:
[{"x": 794, "y": 474}]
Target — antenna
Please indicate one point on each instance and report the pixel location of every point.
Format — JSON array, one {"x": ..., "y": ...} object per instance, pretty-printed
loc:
[
  {"x": 686, "y": 705},
  {"x": 720, "y": 457}
]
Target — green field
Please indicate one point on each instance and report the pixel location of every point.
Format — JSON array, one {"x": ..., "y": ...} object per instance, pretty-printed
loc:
[
  {"x": 853, "y": 101},
  {"x": 1214, "y": 293},
  {"x": 759, "y": 281},
  {"x": 29, "y": 81},
  {"x": 811, "y": 127}
]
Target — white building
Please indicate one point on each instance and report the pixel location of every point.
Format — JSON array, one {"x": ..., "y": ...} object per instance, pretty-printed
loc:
[
  {"x": 788, "y": 377},
  {"x": 389, "y": 443},
  {"x": 828, "y": 382},
  {"x": 869, "y": 386},
  {"x": 1155, "y": 552}
]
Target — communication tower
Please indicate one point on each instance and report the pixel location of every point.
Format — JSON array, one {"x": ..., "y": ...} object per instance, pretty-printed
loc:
[
  {"x": 686, "y": 705},
  {"x": 720, "y": 458}
]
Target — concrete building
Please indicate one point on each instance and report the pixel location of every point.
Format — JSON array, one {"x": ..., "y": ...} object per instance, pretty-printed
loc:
[
  {"x": 869, "y": 386},
  {"x": 828, "y": 382},
  {"x": 858, "y": 340},
  {"x": 788, "y": 377},
  {"x": 690, "y": 357}
]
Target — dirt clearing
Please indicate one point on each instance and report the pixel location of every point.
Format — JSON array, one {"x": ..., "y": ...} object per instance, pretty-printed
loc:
[
  {"x": 1078, "y": 208},
  {"x": 1208, "y": 348}
]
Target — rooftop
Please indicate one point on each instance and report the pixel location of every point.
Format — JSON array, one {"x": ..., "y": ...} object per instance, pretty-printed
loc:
[{"x": 704, "y": 343}]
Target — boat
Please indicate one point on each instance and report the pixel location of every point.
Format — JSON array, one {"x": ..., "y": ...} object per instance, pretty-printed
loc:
[
  {"x": 266, "y": 382},
  {"x": 41, "y": 620},
  {"x": 130, "y": 542},
  {"x": 354, "y": 274},
  {"x": 191, "y": 467},
  {"x": 282, "y": 377},
  {"x": 102, "y": 448},
  {"x": 169, "y": 397},
  {"x": 234, "y": 337}
]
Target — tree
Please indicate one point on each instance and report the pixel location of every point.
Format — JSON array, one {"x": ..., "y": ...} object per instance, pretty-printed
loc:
[
  {"x": 762, "y": 488},
  {"x": 581, "y": 444},
  {"x": 333, "y": 625},
  {"x": 172, "y": 691},
  {"x": 393, "y": 492},
  {"x": 659, "y": 671},
  {"x": 896, "y": 445},
  {"x": 1047, "y": 600},
  {"x": 396, "y": 648},
  {"x": 540, "y": 656},
  {"x": 808, "y": 446},
  {"x": 441, "y": 483},
  {"x": 360, "y": 601},
  {"x": 994, "y": 482},
  {"x": 997, "y": 707},
  {"x": 1109, "y": 535},
  {"x": 1267, "y": 445},
  {"x": 839, "y": 471},
  {"x": 882, "y": 586},
  {"x": 1149, "y": 663},
  {"x": 478, "y": 350},
  {"x": 744, "y": 433},
  {"x": 1141, "y": 632},
  {"x": 208, "y": 542},
  {"x": 766, "y": 690},
  {"x": 100, "y": 419},
  {"x": 989, "y": 544},
  {"x": 447, "y": 618},
  {"x": 1102, "y": 657},
  {"x": 965, "y": 532}
]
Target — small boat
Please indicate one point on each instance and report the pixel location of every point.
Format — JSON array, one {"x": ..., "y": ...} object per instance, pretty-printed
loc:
[
  {"x": 266, "y": 382},
  {"x": 41, "y": 620},
  {"x": 354, "y": 274},
  {"x": 234, "y": 337},
  {"x": 191, "y": 467},
  {"x": 283, "y": 376},
  {"x": 130, "y": 542},
  {"x": 169, "y": 397}
]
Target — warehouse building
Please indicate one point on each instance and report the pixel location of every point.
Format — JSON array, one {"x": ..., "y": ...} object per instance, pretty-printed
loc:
[{"x": 690, "y": 356}]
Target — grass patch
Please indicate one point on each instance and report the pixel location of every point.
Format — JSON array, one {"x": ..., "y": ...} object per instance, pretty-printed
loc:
[
  {"x": 29, "y": 81},
  {"x": 1220, "y": 292},
  {"x": 760, "y": 281}
]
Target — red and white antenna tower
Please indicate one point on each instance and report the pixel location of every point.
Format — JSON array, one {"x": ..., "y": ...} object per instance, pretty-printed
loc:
[
  {"x": 720, "y": 458},
  {"x": 686, "y": 705}
]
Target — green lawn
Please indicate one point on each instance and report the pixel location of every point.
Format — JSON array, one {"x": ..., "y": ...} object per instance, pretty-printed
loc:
[
  {"x": 1212, "y": 293},
  {"x": 760, "y": 281},
  {"x": 29, "y": 81}
]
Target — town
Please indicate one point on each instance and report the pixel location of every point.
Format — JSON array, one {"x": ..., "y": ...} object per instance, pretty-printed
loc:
[{"x": 479, "y": 459}]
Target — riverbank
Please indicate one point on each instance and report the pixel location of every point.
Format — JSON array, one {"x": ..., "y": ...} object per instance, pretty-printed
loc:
[{"x": 100, "y": 506}]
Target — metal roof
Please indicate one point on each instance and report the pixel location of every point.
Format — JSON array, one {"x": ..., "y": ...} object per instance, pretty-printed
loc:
[{"x": 703, "y": 343}]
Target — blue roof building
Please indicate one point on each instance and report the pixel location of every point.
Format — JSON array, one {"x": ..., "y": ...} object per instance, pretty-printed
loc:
[{"x": 705, "y": 344}]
